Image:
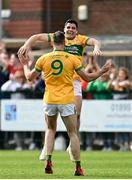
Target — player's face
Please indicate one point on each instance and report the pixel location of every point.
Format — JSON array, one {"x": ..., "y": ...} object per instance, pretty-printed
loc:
[{"x": 70, "y": 30}]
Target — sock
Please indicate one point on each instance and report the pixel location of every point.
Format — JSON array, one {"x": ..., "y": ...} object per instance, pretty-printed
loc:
[
  {"x": 78, "y": 164},
  {"x": 48, "y": 157}
]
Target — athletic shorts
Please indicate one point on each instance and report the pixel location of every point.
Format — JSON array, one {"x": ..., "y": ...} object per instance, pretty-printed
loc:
[
  {"x": 77, "y": 88},
  {"x": 63, "y": 109}
]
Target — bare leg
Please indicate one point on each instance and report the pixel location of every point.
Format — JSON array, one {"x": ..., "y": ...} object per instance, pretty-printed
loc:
[
  {"x": 49, "y": 137},
  {"x": 49, "y": 141},
  {"x": 50, "y": 134},
  {"x": 74, "y": 147},
  {"x": 78, "y": 103}
]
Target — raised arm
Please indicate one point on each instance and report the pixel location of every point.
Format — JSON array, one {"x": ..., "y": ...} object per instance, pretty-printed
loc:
[
  {"x": 97, "y": 45},
  {"x": 31, "y": 41},
  {"x": 29, "y": 74},
  {"x": 92, "y": 76}
]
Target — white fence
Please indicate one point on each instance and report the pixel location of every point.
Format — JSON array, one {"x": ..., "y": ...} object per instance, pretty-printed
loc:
[{"x": 96, "y": 115}]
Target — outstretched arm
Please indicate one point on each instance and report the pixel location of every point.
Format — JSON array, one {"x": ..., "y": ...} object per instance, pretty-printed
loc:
[
  {"x": 31, "y": 41},
  {"x": 29, "y": 74},
  {"x": 92, "y": 76},
  {"x": 97, "y": 45},
  {"x": 92, "y": 65}
]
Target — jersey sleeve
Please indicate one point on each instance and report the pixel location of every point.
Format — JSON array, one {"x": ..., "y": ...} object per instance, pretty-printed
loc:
[
  {"x": 77, "y": 64},
  {"x": 38, "y": 64},
  {"x": 49, "y": 37},
  {"x": 84, "y": 39}
]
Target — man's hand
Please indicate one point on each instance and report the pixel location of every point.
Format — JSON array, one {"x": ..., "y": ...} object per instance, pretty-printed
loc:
[
  {"x": 24, "y": 60},
  {"x": 23, "y": 51},
  {"x": 106, "y": 67},
  {"x": 96, "y": 44},
  {"x": 97, "y": 52}
]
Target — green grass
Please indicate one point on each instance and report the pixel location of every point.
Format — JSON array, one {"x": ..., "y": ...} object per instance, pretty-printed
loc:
[{"x": 96, "y": 164}]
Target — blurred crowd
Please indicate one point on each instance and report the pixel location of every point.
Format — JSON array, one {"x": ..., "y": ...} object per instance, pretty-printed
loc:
[
  {"x": 115, "y": 84},
  {"x": 14, "y": 85},
  {"x": 12, "y": 76}
]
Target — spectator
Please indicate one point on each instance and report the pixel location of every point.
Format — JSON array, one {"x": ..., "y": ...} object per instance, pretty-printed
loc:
[
  {"x": 16, "y": 85},
  {"x": 113, "y": 73},
  {"x": 39, "y": 87},
  {"x": 121, "y": 86},
  {"x": 11, "y": 64},
  {"x": 92, "y": 66},
  {"x": 2, "y": 47},
  {"x": 4, "y": 76},
  {"x": 100, "y": 90}
]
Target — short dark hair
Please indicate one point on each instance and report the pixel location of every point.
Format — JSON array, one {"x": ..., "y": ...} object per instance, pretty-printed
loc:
[
  {"x": 59, "y": 37},
  {"x": 72, "y": 22}
]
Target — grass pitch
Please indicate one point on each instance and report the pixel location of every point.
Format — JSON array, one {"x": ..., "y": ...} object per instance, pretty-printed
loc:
[{"x": 96, "y": 164}]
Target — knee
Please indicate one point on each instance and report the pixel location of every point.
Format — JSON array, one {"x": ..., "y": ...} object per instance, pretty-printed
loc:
[
  {"x": 72, "y": 133},
  {"x": 51, "y": 130}
]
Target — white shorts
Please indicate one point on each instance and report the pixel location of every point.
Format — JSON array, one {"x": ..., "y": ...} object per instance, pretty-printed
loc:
[
  {"x": 63, "y": 109},
  {"x": 77, "y": 88}
]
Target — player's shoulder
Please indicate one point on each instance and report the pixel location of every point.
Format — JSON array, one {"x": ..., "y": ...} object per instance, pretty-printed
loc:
[
  {"x": 71, "y": 57},
  {"x": 67, "y": 54},
  {"x": 81, "y": 36},
  {"x": 46, "y": 55}
]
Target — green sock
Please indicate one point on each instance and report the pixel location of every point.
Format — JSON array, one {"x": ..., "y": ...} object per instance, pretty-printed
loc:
[
  {"x": 78, "y": 163},
  {"x": 48, "y": 157}
]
